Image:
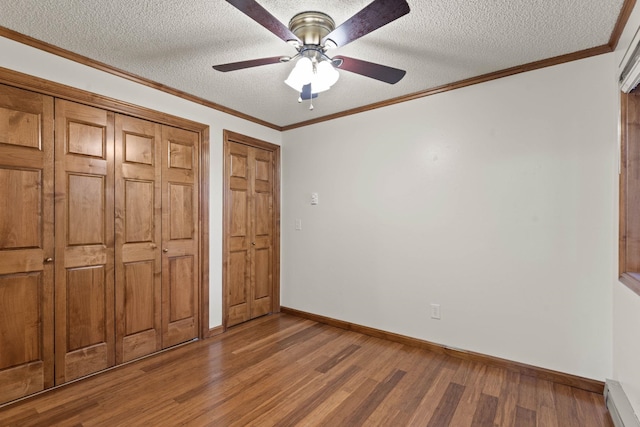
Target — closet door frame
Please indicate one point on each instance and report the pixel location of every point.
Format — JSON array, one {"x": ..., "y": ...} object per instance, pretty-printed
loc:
[{"x": 46, "y": 87}]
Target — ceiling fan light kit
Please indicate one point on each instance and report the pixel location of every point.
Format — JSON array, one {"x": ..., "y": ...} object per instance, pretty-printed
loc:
[
  {"x": 312, "y": 34},
  {"x": 313, "y": 67},
  {"x": 320, "y": 75}
]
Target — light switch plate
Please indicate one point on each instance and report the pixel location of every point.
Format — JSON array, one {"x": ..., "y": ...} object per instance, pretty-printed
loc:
[{"x": 435, "y": 311}]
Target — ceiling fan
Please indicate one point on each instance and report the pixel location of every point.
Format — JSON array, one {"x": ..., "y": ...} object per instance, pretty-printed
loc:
[{"x": 312, "y": 34}]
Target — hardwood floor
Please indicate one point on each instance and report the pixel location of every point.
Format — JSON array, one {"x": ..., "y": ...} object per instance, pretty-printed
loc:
[{"x": 283, "y": 370}]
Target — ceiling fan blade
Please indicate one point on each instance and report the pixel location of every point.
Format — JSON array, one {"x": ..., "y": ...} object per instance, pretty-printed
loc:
[
  {"x": 259, "y": 14},
  {"x": 370, "y": 69},
  {"x": 377, "y": 14},
  {"x": 232, "y": 66}
]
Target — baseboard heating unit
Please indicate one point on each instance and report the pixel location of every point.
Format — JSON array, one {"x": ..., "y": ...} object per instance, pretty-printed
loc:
[{"x": 619, "y": 406}]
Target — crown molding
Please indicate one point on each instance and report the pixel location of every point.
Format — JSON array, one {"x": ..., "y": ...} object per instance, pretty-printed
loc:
[
  {"x": 38, "y": 44},
  {"x": 623, "y": 18},
  {"x": 599, "y": 50}
]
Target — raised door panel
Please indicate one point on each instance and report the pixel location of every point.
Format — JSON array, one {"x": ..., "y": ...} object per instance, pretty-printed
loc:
[
  {"x": 87, "y": 321},
  {"x": 181, "y": 292},
  {"x": 86, "y": 205},
  {"x": 239, "y": 213},
  {"x": 139, "y": 211},
  {"x": 141, "y": 335},
  {"x": 21, "y": 364},
  {"x": 20, "y": 225},
  {"x": 26, "y": 242},
  {"x": 19, "y": 127},
  {"x": 181, "y": 215},
  {"x": 180, "y": 230},
  {"x": 84, "y": 233},
  {"x": 138, "y": 204},
  {"x": 237, "y": 277}
]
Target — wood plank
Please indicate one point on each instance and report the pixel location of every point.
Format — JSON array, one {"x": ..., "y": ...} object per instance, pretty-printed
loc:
[
  {"x": 588, "y": 414},
  {"x": 565, "y": 404},
  {"x": 431, "y": 399},
  {"x": 373, "y": 399},
  {"x": 471, "y": 397},
  {"x": 339, "y": 357},
  {"x": 527, "y": 396},
  {"x": 545, "y": 404},
  {"x": 485, "y": 411},
  {"x": 397, "y": 410},
  {"x": 447, "y": 406},
  {"x": 525, "y": 417},
  {"x": 508, "y": 399}
]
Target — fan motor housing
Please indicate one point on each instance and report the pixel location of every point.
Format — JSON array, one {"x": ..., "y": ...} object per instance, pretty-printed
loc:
[{"x": 311, "y": 27}]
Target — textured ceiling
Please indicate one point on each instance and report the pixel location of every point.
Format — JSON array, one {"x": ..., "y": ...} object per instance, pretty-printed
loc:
[{"x": 175, "y": 43}]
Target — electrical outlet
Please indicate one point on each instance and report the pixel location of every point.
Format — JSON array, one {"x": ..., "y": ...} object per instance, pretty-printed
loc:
[{"x": 435, "y": 311}]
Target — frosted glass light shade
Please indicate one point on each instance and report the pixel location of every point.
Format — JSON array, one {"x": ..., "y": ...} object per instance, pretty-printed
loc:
[
  {"x": 322, "y": 78},
  {"x": 326, "y": 74},
  {"x": 301, "y": 74}
]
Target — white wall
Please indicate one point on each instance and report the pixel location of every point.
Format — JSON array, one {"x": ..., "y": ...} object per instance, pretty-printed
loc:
[
  {"x": 626, "y": 304},
  {"x": 31, "y": 61},
  {"x": 496, "y": 201}
]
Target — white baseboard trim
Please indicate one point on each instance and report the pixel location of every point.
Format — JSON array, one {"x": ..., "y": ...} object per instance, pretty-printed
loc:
[{"x": 619, "y": 406}]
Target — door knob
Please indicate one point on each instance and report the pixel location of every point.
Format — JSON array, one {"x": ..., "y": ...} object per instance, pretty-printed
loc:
[
  {"x": 153, "y": 246},
  {"x": 165, "y": 250},
  {"x": 48, "y": 259},
  {"x": 253, "y": 243}
]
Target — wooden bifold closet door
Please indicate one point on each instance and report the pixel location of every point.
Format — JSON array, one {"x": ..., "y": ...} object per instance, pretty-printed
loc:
[
  {"x": 156, "y": 237},
  {"x": 26, "y": 243},
  {"x": 84, "y": 260},
  {"x": 250, "y": 230},
  {"x": 180, "y": 234},
  {"x": 138, "y": 238},
  {"x": 99, "y": 235}
]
